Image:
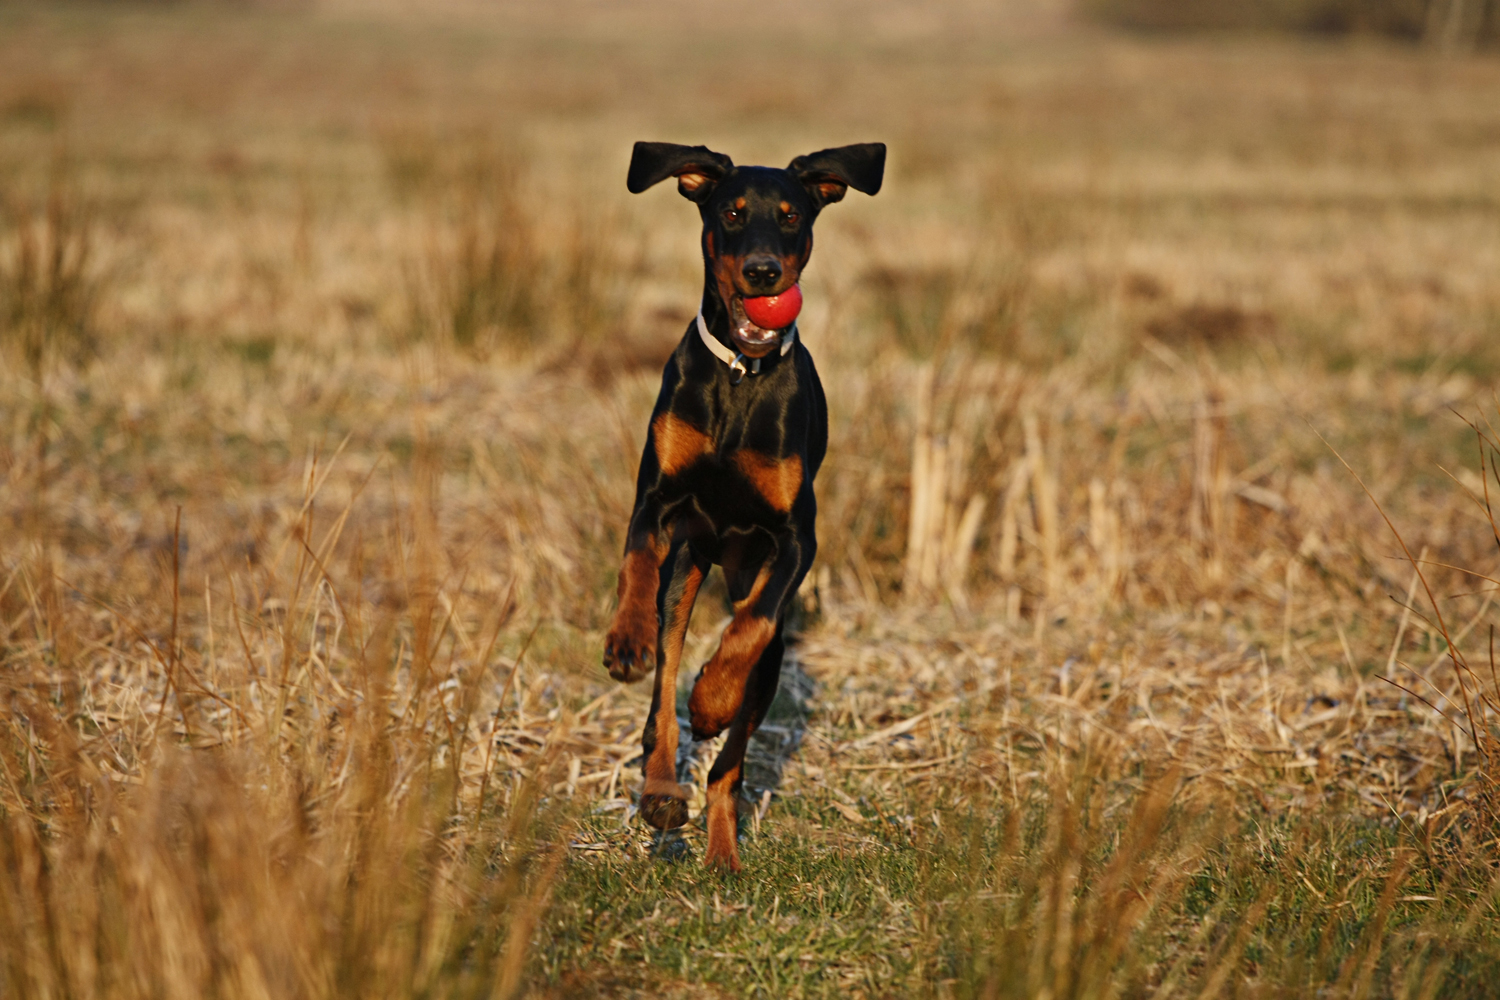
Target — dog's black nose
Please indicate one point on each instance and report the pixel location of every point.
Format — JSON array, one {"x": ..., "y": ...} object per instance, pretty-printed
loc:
[{"x": 762, "y": 272}]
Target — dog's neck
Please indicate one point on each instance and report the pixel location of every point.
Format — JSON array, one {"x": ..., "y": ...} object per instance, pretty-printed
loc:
[{"x": 716, "y": 312}]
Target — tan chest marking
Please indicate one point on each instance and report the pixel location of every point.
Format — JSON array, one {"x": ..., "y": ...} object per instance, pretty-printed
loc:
[
  {"x": 678, "y": 443},
  {"x": 776, "y": 479}
]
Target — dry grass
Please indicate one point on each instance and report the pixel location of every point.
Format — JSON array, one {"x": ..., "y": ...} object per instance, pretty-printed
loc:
[
  {"x": 48, "y": 289},
  {"x": 329, "y": 346},
  {"x": 181, "y": 781}
]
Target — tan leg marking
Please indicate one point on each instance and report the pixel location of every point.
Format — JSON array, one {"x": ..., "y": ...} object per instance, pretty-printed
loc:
[
  {"x": 630, "y": 646},
  {"x": 723, "y": 823}
]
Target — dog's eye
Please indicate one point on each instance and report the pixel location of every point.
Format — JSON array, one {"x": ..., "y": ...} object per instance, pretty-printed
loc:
[
  {"x": 733, "y": 215},
  {"x": 790, "y": 218}
]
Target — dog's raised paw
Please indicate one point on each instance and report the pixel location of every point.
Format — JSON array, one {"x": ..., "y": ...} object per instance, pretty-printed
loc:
[{"x": 629, "y": 657}]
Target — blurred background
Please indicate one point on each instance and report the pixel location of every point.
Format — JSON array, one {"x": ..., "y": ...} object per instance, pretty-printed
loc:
[
  {"x": 329, "y": 326},
  {"x": 1458, "y": 25},
  {"x": 234, "y": 233}
]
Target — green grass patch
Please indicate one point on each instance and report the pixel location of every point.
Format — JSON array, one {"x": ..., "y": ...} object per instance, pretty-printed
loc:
[
  {"x": 808, "y": 918},
  {"x": 1090, "y": 887}
]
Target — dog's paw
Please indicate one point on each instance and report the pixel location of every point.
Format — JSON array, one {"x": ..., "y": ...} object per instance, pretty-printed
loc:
[
  {"x": 724, "y": 859},
  {"x": 630, "y": 649},
  {"x": 665, "y": 812}
]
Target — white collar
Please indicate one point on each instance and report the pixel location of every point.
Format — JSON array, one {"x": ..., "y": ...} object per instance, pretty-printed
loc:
[{"x": 736, "y": 362}]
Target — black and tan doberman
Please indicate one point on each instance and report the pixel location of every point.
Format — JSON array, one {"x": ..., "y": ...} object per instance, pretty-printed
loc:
[{"x": 737, "y": 435}]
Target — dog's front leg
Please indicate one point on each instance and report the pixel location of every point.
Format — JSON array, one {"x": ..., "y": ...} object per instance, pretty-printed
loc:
[
  {"x": 630, "y": 646},
  {"x": 663, "y": 800},
  {"x": 671, "y": 445}
]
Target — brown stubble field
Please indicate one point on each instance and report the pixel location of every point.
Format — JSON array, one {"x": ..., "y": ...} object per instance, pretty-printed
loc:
[{"x": 330, "y": 335}]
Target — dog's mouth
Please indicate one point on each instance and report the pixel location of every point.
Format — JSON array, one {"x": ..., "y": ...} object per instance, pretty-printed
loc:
[{"x": 752, "y": 341}]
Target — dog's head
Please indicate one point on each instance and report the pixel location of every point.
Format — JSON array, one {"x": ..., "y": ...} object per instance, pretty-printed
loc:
[{"x": 757, "y": 221}]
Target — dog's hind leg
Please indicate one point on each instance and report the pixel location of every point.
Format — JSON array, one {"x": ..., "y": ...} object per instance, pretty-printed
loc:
[
  {"x": 762, "y": 579},
  {"x": 728, "y": 772},
  {"x": 663, "y": 800},
  {"x": 737, "y": 685}
]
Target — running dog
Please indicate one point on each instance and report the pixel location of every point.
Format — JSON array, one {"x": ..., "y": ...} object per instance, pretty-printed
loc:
[{"x": 737, "y": 435}]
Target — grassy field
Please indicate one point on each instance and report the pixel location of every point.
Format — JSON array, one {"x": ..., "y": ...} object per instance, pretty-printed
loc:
[{"x": 329, "y": 336}]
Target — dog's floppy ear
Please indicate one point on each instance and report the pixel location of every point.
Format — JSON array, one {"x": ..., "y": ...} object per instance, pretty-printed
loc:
[
  {"x": 828, "y": 173},
  {"x": 697, "y": 168}
]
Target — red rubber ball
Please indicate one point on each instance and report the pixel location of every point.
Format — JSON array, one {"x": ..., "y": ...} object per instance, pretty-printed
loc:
[{"x": 775, "y": 312}]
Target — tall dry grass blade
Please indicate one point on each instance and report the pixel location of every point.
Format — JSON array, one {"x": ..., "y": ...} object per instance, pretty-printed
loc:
[
  {"x": 919, "y": 516},
  {"x": 1432, "y": 601}
]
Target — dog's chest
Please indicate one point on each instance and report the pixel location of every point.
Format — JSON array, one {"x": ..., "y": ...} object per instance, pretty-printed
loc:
[{"x": 747, "y": 454}]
